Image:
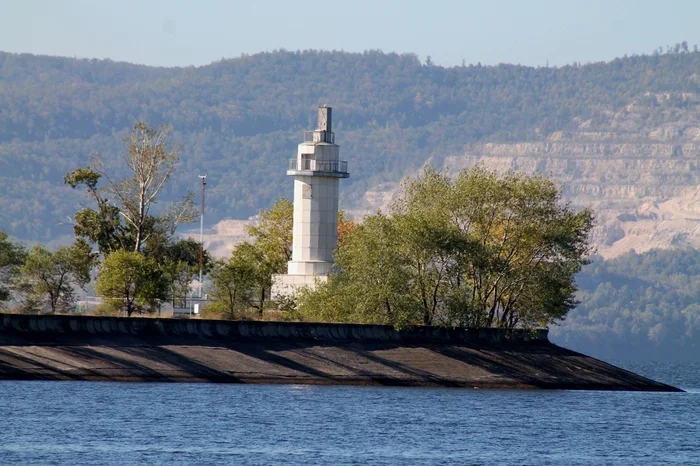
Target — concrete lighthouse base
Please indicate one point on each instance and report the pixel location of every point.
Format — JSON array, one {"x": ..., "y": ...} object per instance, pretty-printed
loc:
[
  {"x": 300, "y": 274},
  {"x": 288, "y": 285}
]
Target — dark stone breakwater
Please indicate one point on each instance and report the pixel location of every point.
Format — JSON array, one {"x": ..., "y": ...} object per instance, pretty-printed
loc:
[
  {"x": 61, "y": 327},
  {"x": 178, "y": 350}
]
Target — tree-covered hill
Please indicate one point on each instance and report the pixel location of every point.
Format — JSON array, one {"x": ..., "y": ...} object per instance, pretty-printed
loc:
[
  {"x": 637, "y": 306},
  {"x": 239, "y": 120}
]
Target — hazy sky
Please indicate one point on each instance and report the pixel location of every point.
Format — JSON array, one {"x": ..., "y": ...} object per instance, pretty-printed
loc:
[{"x": 189, "y": 32}]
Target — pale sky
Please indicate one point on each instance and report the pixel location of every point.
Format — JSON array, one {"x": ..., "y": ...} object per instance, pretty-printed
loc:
[{"x": 189, "y": 32}]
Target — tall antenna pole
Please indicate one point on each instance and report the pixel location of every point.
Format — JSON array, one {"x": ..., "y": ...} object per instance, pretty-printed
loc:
[{"x": 201, "y": 236}]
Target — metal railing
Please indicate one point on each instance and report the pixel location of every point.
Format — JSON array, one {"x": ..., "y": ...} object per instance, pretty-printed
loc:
[
  {"x": 313, "y": 136},
  {"x": 332, "y": 166}
]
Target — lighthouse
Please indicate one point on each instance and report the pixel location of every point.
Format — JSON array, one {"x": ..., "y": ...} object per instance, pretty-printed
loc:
[{"x": 317, "y": 170}]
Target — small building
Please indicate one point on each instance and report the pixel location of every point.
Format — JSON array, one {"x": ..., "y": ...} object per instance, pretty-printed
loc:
[{"x": 317, "y": 170}]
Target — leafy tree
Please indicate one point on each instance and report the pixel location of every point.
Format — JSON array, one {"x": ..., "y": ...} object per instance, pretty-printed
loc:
[
  {"x": 101, "y": 226},
  {"x": 346, "y": 226},
  {"x": 271, "y": 249},
  {"x": 242, "y": 282},
  {"x": 180, "y": 266},
  {"x": 273, "y": 235},
  {"x": 233, "y": 284},
  {"x": 123, "y": 218},
  {"x": 512, "y": 236},
  {"x": 48, "y": 279},
  {"x": 12, "y": 257},
  {"x": 260, "y": 269},
  {"x": 482, "y": 250},
  {"x": 245, "y": 280},
  {"x": 130, "y": 282},
  {"x": 373, "y": 286}
]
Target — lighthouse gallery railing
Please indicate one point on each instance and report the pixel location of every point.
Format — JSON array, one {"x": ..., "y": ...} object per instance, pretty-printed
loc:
[{"x": 332, "y": 166}]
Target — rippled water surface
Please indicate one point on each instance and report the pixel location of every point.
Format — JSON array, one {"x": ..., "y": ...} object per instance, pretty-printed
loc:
[{"x": 88, "y": 423}]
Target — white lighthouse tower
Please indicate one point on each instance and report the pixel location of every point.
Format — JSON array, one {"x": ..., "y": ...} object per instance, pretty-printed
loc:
[{"x": 317, "y": 170}]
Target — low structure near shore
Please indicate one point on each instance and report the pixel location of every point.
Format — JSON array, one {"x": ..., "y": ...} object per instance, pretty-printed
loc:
[{"x": 172, "y": 350}]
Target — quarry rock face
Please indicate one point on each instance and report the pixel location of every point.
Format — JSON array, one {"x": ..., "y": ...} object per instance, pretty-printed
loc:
[{"x": 642, "y": 180}]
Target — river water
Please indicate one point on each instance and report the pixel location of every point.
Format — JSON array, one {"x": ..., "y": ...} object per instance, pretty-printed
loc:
[{"x": 91, "y": 423}]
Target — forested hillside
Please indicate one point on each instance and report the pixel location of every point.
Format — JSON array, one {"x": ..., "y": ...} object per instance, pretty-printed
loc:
[
  {"x": 637, "y": 306},
  {"x": 239, "y": 120}
]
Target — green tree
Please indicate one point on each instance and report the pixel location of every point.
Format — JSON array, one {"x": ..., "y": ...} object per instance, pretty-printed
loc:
[
  {"x": 346, "y": 226},
  {"x": 12, "y": 257},
  {"x": 103, "y": 225},
  {"x": 123, "y": 218},
  {"x": 130, "y": 282},
  {"x": 180, "y": 266},
  {"x": 482, "y": 250},
  {"x": 271, "y": 248},
  {"x": 273, "y": 234},
  {"x": 232, "y": 286},
  {"x": 48, "y": 279},
  {"x": 373, "y": 285}
]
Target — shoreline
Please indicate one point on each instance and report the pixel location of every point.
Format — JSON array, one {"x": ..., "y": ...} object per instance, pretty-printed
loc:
[{"x": 174, "y": 350}]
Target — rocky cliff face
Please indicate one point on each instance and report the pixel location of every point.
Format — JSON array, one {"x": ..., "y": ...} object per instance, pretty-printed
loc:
[{"x": 642, "y": 178}]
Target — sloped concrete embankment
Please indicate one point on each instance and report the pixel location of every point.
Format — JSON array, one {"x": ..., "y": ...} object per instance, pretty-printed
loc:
[{"x": 173, "y": 350}]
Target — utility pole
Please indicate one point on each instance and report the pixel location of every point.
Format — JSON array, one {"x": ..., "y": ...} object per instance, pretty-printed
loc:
[{"x": 201, "y": 236}]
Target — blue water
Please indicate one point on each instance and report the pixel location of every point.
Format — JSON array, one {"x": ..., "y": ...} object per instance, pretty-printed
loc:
[{"x": 89, "y": 423}]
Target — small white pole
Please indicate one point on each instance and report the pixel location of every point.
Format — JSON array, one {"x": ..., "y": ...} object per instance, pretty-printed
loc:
[{"x": 201, "y": 236}]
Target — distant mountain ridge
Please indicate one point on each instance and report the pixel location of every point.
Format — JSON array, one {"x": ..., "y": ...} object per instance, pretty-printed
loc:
[{"x": 239, "y": 120}]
